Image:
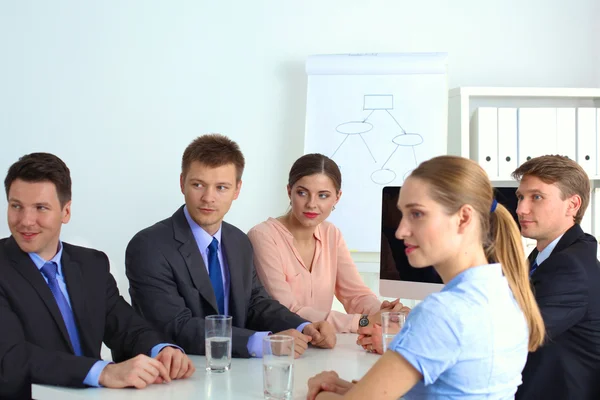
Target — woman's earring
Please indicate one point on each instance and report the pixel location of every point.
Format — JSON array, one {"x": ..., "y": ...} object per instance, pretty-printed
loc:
[{"x": 333, "y": 209}]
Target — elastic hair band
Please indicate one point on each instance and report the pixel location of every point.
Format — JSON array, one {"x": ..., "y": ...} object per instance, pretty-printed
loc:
[{"x": 494, "y": 204}]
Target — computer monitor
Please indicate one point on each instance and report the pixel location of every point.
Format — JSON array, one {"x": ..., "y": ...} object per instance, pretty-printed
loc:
[{"x": 396, "y": 277}]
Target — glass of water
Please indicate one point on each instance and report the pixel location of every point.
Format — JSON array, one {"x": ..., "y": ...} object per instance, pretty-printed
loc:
[
  {"x": 391, "y": 324},
  {"x": 217, "y": 334},
  {"x": 278, "y": 367}
]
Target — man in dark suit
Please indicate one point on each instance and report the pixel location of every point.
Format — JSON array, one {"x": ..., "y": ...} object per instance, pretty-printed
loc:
[
  {"x": 59, "y": 302},
  {"x": 193, "y": 264},
  {"x": 553, "y": 195}
]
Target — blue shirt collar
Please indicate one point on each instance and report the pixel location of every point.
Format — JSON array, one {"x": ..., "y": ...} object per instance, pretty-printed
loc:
[
  {"x": 203, "y": 239},
  {"x": 544, "y": 254},
  {"x": 485, "y": 271},
  {"x": 39, "y": 261}
]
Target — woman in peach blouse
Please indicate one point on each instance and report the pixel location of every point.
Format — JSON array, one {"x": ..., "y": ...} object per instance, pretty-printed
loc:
[{"x": 302, "y": 260}]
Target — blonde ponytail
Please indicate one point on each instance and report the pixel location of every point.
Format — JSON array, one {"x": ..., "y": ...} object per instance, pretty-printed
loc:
[{"x": 506, "y": 247}]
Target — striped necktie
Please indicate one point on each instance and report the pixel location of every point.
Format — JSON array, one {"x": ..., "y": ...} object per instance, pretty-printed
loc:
[{"x": 533, "y": 268}]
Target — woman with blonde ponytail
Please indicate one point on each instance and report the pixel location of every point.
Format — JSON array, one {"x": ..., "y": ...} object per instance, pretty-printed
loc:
[{"x": 471, "y": 340}]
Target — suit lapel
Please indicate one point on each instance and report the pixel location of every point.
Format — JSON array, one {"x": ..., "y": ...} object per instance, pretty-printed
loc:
[
  {"x": 234, "y": 260},
  {"x": 568, "y": 238},
  {"x": 25, "y": 266},
  {"x": 74, "y": 280},
  {"x": 193, "y": 259}
]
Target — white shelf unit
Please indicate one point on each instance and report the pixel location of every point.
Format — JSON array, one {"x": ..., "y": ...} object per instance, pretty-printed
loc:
[{"x": 463, "y": 101}]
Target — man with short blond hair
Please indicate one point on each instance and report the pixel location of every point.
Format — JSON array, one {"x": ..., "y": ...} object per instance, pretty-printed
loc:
[
  {"x": 553, "y": 195},
  {"x": 193, "y": 264}
]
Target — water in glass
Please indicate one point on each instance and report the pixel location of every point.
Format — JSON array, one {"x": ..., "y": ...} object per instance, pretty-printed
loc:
[
  {"x": 278, "y": 376},
  {"x": 218, "y": 353}
]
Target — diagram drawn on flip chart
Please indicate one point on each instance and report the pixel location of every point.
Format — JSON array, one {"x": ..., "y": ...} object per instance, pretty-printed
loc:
[
  {"x": 377, "y": 116},
  {"x": 373, "y": 103}
]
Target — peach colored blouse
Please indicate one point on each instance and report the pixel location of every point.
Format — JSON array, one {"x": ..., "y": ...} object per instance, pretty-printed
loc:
[{"x": 310, "y": 294}]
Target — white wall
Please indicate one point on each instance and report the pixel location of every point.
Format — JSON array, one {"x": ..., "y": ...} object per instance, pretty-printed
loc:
[
  {"x": 596, "y": 13},
  {"x": 118, "y": 89}
]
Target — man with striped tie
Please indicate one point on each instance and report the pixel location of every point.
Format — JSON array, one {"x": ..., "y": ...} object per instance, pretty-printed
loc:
[
  {"x": 553, "y": 195},
  {"x": 59, "y": 302}
]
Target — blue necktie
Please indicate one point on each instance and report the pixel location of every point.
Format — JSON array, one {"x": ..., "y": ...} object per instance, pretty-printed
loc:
[
  {"x": 533, "y": 268},
  {"x": 214, "y": 271},
  {"x": 49, "y": 270}
]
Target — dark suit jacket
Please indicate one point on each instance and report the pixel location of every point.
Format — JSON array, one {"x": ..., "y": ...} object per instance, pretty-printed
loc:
[
  {"x": 34, "y": 343},
  {"x": 170, "y": 286},
  {"x": 567, "y": 289}
]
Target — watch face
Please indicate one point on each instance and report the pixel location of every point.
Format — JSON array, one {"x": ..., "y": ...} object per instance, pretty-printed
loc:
[{"x": 364, "y": 321}]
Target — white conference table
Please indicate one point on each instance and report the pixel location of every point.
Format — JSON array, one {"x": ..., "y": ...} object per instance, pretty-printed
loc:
[{"x": 243, "y": 381}]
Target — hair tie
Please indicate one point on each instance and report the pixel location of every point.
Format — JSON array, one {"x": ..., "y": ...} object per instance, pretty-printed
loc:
[{"x": 494, "y": 204}]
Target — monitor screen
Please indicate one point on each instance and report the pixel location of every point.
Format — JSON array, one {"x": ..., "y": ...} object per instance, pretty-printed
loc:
[{"x": 397, "y": 277}]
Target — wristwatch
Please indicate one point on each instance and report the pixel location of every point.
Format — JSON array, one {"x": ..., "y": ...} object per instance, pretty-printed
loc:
[{"x": 363, "y": 321}]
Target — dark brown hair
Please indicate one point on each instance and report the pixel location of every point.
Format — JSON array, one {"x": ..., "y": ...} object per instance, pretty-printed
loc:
[
  {"x": 456, "y": 181},
  {"x": 213, "y": 150},
  {"x": 41, "y": 167},
  {"x": 569, "y": 176},
  {"x": 315, "y": 163}
]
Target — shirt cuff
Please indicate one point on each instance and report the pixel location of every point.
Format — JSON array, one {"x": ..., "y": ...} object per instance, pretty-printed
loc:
[
  {"x": 156, "y": 349},
  {"x": 255, "y": 346},
  {"x": 301, "y": 327},
  {"x": 93, "y": 376}
]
